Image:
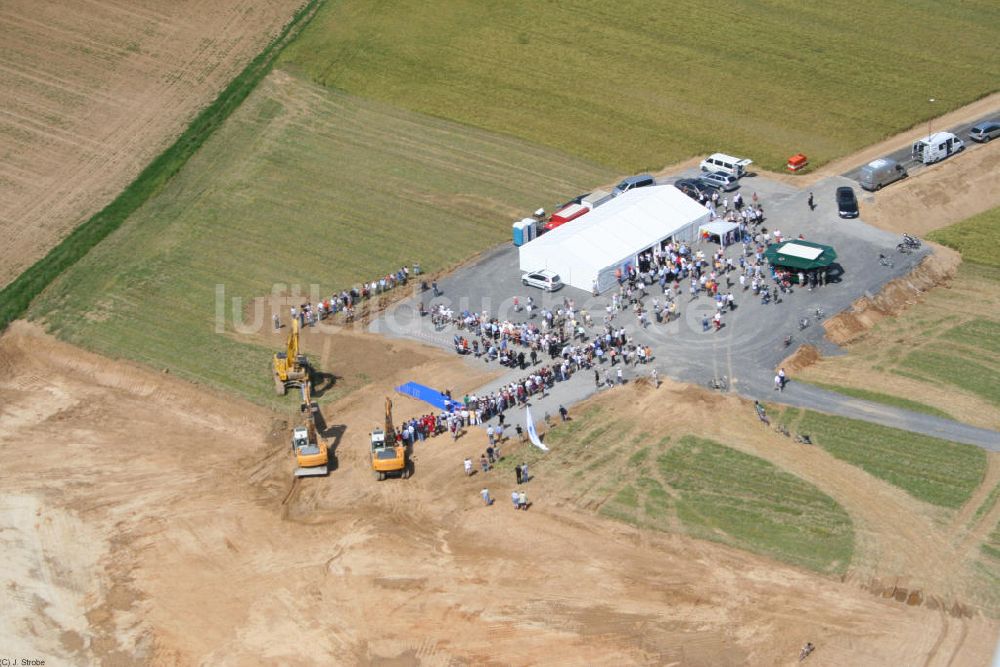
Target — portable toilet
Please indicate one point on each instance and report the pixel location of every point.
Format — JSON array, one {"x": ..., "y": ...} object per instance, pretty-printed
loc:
[
  {"x": 530, "y": 229},
  {"x": 519, "y": 233}
]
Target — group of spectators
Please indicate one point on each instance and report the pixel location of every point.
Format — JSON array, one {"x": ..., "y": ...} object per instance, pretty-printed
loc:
[{"x": 344, "y": 302}]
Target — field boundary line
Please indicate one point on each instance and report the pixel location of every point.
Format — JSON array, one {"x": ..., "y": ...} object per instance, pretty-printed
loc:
[{"x": 18, "y": 295}]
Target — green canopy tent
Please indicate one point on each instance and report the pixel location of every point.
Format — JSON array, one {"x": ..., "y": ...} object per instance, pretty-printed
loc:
[{"x": 800, "y": 255}]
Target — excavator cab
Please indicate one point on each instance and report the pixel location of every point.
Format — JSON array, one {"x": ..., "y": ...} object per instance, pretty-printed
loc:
[
  {"x": 388, "y": 457},
  {"x": 290, "y": 368},
  {"x": 312, "y": 454}
]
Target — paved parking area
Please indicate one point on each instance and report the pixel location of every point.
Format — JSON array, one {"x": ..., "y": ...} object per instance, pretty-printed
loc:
[{"x": 750, "y": 344}]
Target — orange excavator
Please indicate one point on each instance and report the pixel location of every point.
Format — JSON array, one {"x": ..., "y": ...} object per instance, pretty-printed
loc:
[
  {"x": 388, "y": 456},
  {"x": 290, "y": 368},
  {"x": 311, "y": 452}
]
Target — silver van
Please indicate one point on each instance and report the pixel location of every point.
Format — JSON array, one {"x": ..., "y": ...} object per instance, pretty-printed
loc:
[{"x": 881, "y": 172}]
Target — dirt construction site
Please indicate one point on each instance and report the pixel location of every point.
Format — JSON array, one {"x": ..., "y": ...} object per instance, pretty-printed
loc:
[
  {"x": 149, "y": 520},
  {"x": 191, "y": 545}
]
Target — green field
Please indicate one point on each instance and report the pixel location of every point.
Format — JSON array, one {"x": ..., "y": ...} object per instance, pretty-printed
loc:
[
  {"x": 302, "y": 185},
  {"x": 977, "y": 238},
  {"x": 701, "y": 488},
  {"x": 936, "y": 471},
  {"x": 966, "y": 356},
  {"x": 637, "y": 85}
]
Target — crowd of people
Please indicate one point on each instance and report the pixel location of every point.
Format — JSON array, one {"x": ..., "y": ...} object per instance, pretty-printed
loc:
[{"x": 308, "y": 314}]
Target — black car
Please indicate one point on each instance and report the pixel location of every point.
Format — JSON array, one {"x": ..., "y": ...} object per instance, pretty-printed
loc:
[
  {"x": 847, "y": 203},
  {"x": 694, "y": 187}
]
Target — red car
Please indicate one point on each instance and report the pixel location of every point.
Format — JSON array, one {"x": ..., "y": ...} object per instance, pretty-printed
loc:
[{"x": 564, "y": 215}]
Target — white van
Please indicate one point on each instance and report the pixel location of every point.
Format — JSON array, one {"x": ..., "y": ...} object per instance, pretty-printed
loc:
[
  {"x": 727, "y": 164},
  {"x": 936, "y": 147}
]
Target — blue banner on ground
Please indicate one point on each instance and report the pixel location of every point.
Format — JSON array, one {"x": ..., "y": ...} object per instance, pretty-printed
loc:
[{"x": 426, "y": 394}]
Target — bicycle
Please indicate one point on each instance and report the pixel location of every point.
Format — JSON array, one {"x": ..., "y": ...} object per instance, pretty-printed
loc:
[
  {"x": 788, "y": 341},
  {"x": 820, "y": 313},
  {"x": 803, "y": 323},
  {"x": 803, "y": 439},
  {"x": 719, "y": 384},
  {"x": 806, "y": 650},
  {"x": 911, "y": 241},
  {"x": 903, "y": 248},
  {"x": 885, "y": 261}
]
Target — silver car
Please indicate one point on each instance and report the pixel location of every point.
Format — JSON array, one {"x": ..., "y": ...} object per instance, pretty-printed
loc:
[
  {"x": 545, "y": 280},
  {"x": 720, "y": 180},
  {"x": 985, "y": 131}
]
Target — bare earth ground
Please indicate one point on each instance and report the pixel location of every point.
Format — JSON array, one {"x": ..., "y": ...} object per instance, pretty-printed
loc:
[
  {"x": 92, "y": 91},
  {"x": 145, "y": 521},
  {"x": 946, "y": 193}
]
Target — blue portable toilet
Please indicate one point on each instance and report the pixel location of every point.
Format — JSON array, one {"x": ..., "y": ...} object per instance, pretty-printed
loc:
[{"x": 519, "y": 233}]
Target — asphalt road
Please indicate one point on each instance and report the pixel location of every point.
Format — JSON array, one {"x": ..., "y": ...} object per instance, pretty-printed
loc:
[
  {"x": 749, "y": 346},
  {"x": 912, "y": 166}
]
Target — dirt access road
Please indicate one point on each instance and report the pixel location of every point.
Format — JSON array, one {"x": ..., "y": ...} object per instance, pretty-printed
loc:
[
  {"x": 146, "y": 521},
  {"x": 92, "y": 91}
]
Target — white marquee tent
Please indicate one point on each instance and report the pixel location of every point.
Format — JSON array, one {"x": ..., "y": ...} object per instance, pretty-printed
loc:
[{"x": 610, "y": 237}]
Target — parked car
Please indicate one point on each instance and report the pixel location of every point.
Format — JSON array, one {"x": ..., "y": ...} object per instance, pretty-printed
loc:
[
  {"x": 721, "y": 180},
  {"x": 985, "y": 131},
  {"x": 633, "y": 182},
  {"x": 544, "y": 280},
  {"x": 847, "y": 203},
  {"x": 693, "y": 187}
]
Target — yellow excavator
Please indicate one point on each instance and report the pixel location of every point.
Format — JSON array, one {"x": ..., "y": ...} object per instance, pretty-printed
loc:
[
  {"x": 290, "y": 369},
  {"x": 388, "y": 457},
  {"x": 311, "y": 452}
]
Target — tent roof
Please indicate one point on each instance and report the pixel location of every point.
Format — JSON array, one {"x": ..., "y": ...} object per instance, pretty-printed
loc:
[
  {"x": 623, "y": 226},
  {"x": 718, "y": 228},
  {"x": 798, "y": 254}
]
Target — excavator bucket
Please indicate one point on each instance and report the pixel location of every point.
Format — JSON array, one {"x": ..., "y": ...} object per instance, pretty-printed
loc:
[{"x": 316, "y": 471}]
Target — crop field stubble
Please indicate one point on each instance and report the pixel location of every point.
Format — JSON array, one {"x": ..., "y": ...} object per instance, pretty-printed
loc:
[
  {"x": 302, "y": 185},
  {"x": 655, "y": 84},
  {"x": 91, "y": 92}
]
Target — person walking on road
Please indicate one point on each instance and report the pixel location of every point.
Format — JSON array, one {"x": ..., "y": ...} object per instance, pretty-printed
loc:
[
  {"x": 656, "y": 379},
  {"x": 777, "y": 383},
  {"x": 563, "y": 413},
  {"x": 517, "y": 473},
  {"x": 812, "y": 204}
]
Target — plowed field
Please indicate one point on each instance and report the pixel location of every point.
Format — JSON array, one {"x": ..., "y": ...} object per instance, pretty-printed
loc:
[{"x": 90, "y": 92}]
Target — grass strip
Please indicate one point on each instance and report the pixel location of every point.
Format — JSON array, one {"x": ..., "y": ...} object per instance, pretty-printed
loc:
[
  {"x": 884, "y": 399},
  {"x": 18, "y": 295},
  {"x": 987, "y": 505},
  {"x": 936, "y": 471}
]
